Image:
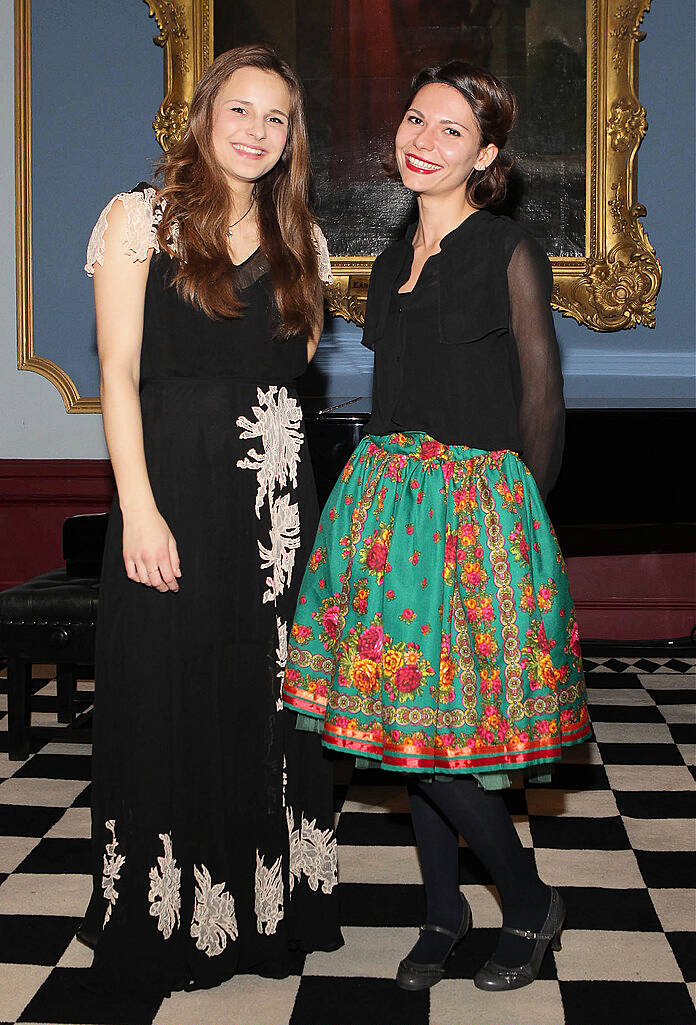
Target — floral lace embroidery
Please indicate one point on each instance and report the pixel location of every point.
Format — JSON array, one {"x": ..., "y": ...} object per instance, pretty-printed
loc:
[
  {"x": 214, "y": 917},
  {"x": 312, "y": 851},
  {"x": 165, "y": 887},
  {"x": 281, "y": 658},
  {"x": 113, "y": 863},
  {"x": 322, "y": 249},
  {"x": 277, "y": 425},
  {"x": 268, "y": 895},
  {"x": 140, "y": 230}
]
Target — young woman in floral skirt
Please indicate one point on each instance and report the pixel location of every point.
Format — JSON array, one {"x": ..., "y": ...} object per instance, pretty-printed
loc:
[{"x": 435, "y": 634}]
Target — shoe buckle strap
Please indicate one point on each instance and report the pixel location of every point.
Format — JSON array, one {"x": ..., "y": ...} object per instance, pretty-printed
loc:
[
  {"x": 439, "y": 928},
  {"x": 527, "y": 934}
]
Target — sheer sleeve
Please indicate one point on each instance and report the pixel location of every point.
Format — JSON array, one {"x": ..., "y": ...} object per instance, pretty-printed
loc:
[
  {"x": 140, "y": 231},
  {"x": 542, "y": 412}
]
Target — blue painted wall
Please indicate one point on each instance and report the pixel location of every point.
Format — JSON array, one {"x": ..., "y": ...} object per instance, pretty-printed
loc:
[{"x": 97, "y": 83}]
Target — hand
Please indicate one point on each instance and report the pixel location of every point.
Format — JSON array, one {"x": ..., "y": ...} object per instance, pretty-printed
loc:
[{"x": 149, "y": 550}]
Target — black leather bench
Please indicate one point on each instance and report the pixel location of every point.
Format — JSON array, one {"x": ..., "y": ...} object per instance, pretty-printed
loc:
[{"x": 52, "y": 619}]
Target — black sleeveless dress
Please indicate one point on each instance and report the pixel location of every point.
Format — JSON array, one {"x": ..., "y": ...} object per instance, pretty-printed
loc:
[{"x": 212, "y": 815}]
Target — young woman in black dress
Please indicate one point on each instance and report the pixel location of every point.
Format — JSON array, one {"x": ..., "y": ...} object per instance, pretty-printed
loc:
[
  {"x": 212, "y": 817},
  {"x": 435, "y": 634}
]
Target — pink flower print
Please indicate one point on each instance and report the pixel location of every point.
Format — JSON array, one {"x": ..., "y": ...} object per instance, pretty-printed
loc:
[
  {"x": 436, "y": 536},
  {"x": 430, "y": 449},
  {"x": 376, "y": 556},
  {"x": 424, "y": 583},
  {"x": 303, "y": 599},
  {"x": 329, "y": 621},
  {"x": 301, "y": 633},
  {"x": 484, "y": 644},
  {"x": 414, "y": 558},
  {"x": 409, "y": 528},
  {"x": 292, "y": 675},
  {"x": 451, "y": 549},
  {"x": 390, "y": 595},
  {"x": 322, "y": 582},
  {"x": 575, "y": 640},
  {"x": 370, "y": 643},
  {"x": 408, "y": 615},
  {"x": 348, "y": 499},
  {"x": 472, "y": 573},
  {"x": 419, "y": 497},
  {"x": 407, "y": 679},
  {"x": 425, "y": 629}
]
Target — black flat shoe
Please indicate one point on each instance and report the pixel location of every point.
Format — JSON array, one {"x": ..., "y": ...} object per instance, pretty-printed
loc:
[
  {"x": 414, "y": 975},
  {"x": 85, "y": 935},
  {"x": 496, "y": 977}
]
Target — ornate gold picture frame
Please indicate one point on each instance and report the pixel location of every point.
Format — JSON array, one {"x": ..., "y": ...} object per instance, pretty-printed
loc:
[{"x": 614, "y": 285}]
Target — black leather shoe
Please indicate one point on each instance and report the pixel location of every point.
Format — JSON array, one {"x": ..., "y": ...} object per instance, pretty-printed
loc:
[
  {"x": 413, "y": 974},
  {"x": 497, "y": 977}
]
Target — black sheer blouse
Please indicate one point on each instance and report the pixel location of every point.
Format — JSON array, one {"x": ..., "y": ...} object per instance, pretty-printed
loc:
[{"x": 470, "y": 355}]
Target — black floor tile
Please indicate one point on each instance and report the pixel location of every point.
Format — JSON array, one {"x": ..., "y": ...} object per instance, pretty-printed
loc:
[
  {"x": 65, "y": 766},
  {"x": 640, "y": 754},
  {"x": 65, "y": 998},
  {"x": 381, "y": 904},
  {"x": 349, "y": 1001},
  {"x": 683, "y": 945},
  {"x": 567, "y": 776},
  {"x": 675, "y": 696},
  {"x": 625, "y": 713},
  {"x": 678, "y": 665},
  {"x": 683, "y": 732},
  {"x": 667, "y": 868},
  {"x": 35, "y": 939},
  {"x": 610, "y": 909},
  {"x": 60, "y": 856},
  {"x": 570, "y": 833},
  {"x": 657, "y": 804},
  {"x": 27, "y": 820},
  {"x": 367, "y": 829},
  {"x": 627, "y": 1003},
  {"x": 83, "y": 799}
]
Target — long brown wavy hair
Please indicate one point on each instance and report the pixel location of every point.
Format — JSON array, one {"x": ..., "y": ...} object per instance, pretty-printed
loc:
[
  {"x": 196, "y": 212},
  {"x": 495, "y": 110}
]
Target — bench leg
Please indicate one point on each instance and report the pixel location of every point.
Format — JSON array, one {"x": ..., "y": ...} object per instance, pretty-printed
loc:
[
  {"x": 18, "y": 708},
  {"x": 66, "y": 682}
]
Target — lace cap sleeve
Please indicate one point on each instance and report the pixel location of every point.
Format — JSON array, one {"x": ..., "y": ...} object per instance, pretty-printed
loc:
[
  {"x": 140, "y": 230},
  {"x": 542, "y": 411},
  {"x": 322, "y": 249}
]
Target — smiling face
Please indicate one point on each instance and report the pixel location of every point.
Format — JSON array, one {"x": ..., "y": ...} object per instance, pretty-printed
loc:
[
  {"x": 251, "y": 119},
  {"x": 438, "y": 143}
]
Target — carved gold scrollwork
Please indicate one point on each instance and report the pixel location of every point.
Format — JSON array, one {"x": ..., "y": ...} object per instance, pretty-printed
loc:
[{"x": 615, "y": 283}]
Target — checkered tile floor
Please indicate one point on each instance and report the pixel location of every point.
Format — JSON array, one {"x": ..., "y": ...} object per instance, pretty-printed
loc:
[{"x": 614, "y": 831}]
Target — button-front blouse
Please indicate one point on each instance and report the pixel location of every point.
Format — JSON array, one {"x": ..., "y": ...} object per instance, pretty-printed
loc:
[{"x": 470, "y": 354}]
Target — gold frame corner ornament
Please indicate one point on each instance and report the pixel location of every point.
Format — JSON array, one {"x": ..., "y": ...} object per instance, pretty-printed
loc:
[{"x": 614, "y": 285}]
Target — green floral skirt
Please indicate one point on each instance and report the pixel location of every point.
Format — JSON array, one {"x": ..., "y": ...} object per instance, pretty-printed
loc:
[{"x": 435, "y": 632}]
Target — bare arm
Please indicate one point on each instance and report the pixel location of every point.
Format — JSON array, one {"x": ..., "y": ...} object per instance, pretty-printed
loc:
[{"x": 149, "y": 549}]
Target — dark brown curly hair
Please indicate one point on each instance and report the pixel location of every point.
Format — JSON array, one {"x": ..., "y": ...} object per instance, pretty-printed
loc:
[
  {"x": 196, "y": 212},
  {"x": 495, "y": 110}
]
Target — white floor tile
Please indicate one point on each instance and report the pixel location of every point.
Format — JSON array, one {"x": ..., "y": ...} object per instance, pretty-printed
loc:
[
  {"x": 618, "y": 696},
  {"x": 650, "y": 777},
  {"x": 66, "y": 749},
  {"x": 521, "y": 823},
  {"x": 14, "y": 849},
  {"x": 625, "y": 956},
  {"x": 485, "y": 906},
  {"x": 679, "y": 713},
  {"x": 75, "y": 823},
  {"x": 379, "y": 865},
  {"x": 582, "y": 754},
  {"x": 47, "y": 793},
  {"x": 611, "y": 869},
  {"x": 458, "y": 1002},
  {"x": 7, "y": 767},
  {"x": 372, "y": 953},
  {"x": 632, "y": 733},
  {"x": 676, "y": 909},
  {"x": 376, "y": 799},
  {"x": 18, "y": 983},
  {"x": 661, "y": 834},
  {"x": 244, "y": 999},
  {"x": 667, "y": 681},
  {"x": 563, "y": 803},
  {"x": 77, "y": 955},
  {"x": 688, "y": 753},
  {"x": 25, "y": 893}
]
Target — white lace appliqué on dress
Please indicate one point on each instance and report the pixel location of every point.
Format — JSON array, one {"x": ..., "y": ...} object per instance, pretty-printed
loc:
[
  {"x": 312, "y": 851},
  {"x": 323, "y": 257},
  {"x": 140, "y": 234},
  {"x": 165, "y": 889},
  {"x": 268, "y": 895},
  {"x": 281, "y": 658},
  {"x": 214, "y": 917},
  {"x": 113, "y": 863},
  {"x": 277, "y": 425}
]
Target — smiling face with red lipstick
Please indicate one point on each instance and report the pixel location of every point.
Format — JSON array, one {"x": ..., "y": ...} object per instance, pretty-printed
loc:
[
  {"x": 250, "y": 124},
  {"x": 438, "y": 143}
]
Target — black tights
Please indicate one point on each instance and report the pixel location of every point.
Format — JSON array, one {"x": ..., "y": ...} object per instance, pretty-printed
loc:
[{"x": 442, "y": 811}]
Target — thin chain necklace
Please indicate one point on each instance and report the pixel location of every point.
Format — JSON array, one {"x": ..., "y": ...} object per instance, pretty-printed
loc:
[{"x": 231, "y": 226}]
